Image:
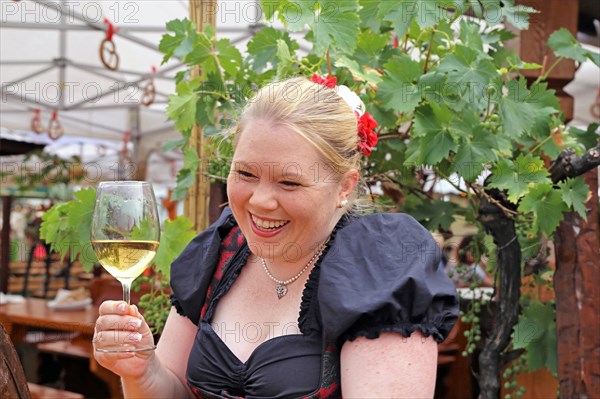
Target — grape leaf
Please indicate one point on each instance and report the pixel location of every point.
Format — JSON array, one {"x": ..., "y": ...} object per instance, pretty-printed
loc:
[
  {"x": 80, "y": 215},
  {"x": 370, "y": 48},
  {"x": 543, "y": 103},
  {"x": 230, "y": 58},
  {"x": 295, "y": 14},
  {"x": 471, "y": 157},
  {"x": 202, "y": 55},
  {"x": 269, "y": 8},
  {"x": 468, "y": 70},
  {"x": 398, "y": 90},
  {"x": 431, "y": 119},
  {"x": 575, "y": 192},
  {"x": 516, "y": 15},
  {"x": 368, "y": 15},
  {"x": 436, "y": 147},
  {"x": 66, "y": 228},
  {"x": 182, "y": 43},
  {"x": 469, "y": 34},
  {"x": 518, "y": 115},
  {"x": 564, "y": 44},
  {"x": 175, "y": 235},
  {"x": 369, "y": 75},
  {"x": 263, "y": 47},
  {"x": 516, "y": 177},
  {"x": 171, "y": 145},
  {"x": 547, "y": 207},
  {"x": 182, "y": 106},
  {"x": 431, "y": 141},
  {"x": 588, "y": 138},
  {"x": 336, "y": 26},
  {"x": 536, "y": 332},
  {"x": 426, "y": 13}
]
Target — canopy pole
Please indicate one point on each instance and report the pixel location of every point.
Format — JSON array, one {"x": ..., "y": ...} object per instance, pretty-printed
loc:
[{"x": 196, "y": 204}]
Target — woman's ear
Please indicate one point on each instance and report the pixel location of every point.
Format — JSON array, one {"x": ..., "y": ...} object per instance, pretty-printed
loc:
[{"x": 348, "y": 184}]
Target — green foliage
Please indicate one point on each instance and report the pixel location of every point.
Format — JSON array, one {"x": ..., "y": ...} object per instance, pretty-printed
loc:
[
  {"x": 156, "y": 302},
  {"x": 574, "y": 193},
  {"x": 536, "y": 332},
  {"x": 264, "y": 48},
  {"x": 519, "y": 176},
  {"x": 565, "y": 45},
  {"x": 182, "y": 107},
  {"x": 66, "y": 227},
  {"x": 174, "y": 237},
  {"x": 546, "y": 205}
]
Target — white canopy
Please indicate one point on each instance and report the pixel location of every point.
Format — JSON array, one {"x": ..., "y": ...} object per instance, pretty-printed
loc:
[{"x": 49, "y": 58}]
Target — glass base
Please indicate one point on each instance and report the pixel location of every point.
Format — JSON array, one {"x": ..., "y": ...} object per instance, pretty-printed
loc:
[{"x": 125, "y": 348}]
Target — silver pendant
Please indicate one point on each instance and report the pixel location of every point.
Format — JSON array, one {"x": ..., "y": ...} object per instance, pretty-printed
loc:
[{"x": 281, "y": 290}]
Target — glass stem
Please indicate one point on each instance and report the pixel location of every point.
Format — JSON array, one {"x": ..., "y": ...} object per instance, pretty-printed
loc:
[{"x": 126, "y": 290}]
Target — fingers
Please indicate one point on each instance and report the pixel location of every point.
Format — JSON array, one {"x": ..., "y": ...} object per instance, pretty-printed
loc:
[
  {"x": 117, "y": 337},
  {"x": 117, "y": 307},
  {"x": 121, "y": 322},
  {"x": 116, "y": 322},
  {"x": 121, "y": 309}
]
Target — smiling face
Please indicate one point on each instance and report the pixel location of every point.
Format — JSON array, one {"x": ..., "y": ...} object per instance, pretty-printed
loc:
[{"x": 283, "y": 196}]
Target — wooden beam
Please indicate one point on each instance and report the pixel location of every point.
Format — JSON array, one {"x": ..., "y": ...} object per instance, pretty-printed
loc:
[{"x": 196, "y": 203}]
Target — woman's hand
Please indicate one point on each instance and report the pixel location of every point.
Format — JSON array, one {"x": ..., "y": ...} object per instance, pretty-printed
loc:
[{"x": 120, "y": 323}]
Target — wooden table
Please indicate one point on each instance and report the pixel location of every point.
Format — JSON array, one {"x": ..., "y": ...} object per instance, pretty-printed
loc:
[{"x": 34, "y": 313}]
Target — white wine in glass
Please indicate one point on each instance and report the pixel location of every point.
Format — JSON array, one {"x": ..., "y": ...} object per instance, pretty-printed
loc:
[{"x": 125, "y": 235}]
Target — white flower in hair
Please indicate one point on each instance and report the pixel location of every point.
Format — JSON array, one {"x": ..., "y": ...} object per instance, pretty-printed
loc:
[{"x": 352, "y": 99}]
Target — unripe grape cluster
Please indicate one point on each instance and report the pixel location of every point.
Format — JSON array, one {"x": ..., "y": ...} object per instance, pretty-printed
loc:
[{"x": 510, "y": 378}]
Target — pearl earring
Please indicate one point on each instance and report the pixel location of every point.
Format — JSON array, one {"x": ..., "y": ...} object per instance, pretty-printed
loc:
[{"x": 343, "y": 203}]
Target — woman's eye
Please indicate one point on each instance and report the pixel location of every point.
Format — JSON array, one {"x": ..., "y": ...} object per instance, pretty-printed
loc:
[
  {"x": 245, "y": 174},
  {"x": 290, "y": 183}
]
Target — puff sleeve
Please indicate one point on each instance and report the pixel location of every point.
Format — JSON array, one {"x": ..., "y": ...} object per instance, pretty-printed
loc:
[
  {"x": 381, "y": 274},
  {"x": 193, "y": 270}
]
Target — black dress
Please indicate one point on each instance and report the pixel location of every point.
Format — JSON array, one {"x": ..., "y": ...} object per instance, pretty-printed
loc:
[{"x": 377, "y": 273}]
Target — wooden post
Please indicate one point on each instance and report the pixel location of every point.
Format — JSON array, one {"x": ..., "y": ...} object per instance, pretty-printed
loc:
[
  {"x": 578, "y": 300},
  {"x": 577, "y": 241},
  {"x": 196, "y": 203}
]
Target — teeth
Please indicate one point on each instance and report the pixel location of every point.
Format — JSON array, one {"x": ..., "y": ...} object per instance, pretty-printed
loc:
[{"x": 270, "y": 224}]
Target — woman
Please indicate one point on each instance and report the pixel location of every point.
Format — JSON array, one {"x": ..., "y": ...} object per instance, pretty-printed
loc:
[{"x": 290, "y": 294}]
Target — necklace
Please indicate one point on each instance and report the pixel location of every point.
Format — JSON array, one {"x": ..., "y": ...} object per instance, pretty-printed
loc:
[{"x": 281, "y": 287}]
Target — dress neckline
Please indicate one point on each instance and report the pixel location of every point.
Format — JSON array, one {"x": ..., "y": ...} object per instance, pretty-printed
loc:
[{"x": 308, "y": 312}]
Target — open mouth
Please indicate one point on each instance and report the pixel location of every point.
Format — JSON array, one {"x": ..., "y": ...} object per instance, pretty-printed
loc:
[{"x": 268, "y": 225}]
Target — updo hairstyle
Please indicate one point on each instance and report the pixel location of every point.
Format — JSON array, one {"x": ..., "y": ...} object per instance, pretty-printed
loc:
[{"x": 313, "y": 111}]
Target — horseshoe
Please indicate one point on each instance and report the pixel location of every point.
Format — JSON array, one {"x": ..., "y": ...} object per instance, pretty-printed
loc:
[
  {"x": 108, "y": 54},
  {"x": 36, "y": 123},
  {"x": 149, "y": 93},
  {"x": 55, "y": 129}
]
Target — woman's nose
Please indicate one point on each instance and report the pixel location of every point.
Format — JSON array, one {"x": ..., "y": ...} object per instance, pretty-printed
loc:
[{"x": 263, "y": 197}]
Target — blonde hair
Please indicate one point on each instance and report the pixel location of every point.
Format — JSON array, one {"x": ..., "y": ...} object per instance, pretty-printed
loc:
[{"x": 315, "y": 112}]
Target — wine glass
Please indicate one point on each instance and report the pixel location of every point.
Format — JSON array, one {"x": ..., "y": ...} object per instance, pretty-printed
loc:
[{"x": 125, "y": 234}]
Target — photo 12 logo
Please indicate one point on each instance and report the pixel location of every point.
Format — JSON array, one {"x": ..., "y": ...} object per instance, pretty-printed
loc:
[
  {"x": 70, "y": 92},
  {"x": 52, "y": 12}
]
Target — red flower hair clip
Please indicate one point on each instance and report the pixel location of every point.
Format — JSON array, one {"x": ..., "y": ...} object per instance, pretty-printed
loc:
[
  {"x": 329, "y": 81},
  {"x": 367, "y": 138}
]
